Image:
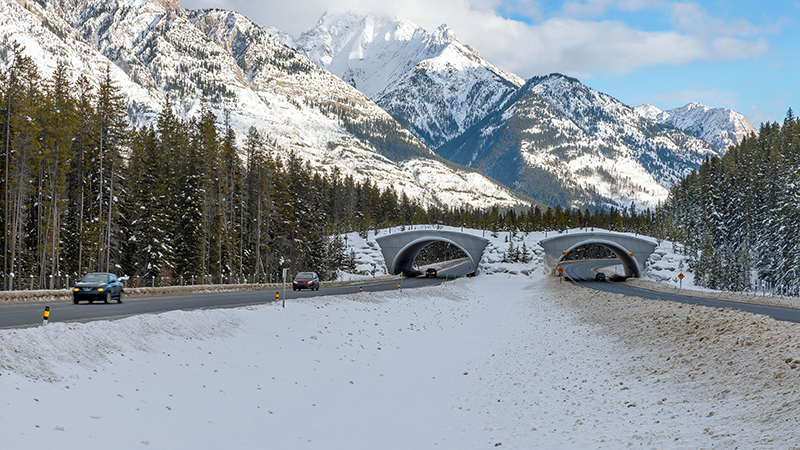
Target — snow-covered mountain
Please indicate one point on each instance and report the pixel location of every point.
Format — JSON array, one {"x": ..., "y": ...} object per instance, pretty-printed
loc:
[
  {"x": 432, "y": 82},
  {"x": 561, "y": 142},
  {"x": 719, "y": 127},
  {"x": 157, "y": 50},
  {"x": 551, "y": 138}
]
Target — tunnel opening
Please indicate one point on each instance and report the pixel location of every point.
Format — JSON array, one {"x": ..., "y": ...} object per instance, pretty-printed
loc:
[
  {"x": 621, "y": 264},
  {"x": 598, "y": 252},
  {"x": 417, "y": 257},
  {"x": 590, "y": 251},
  {"x": 436, "y": 256}
]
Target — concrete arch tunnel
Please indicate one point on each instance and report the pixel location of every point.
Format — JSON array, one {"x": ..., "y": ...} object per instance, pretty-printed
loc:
[
  {"x": 632, "y": 250},
  {"x": 400, "y": 249}
]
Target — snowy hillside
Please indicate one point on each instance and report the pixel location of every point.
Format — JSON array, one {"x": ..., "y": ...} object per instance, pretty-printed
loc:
[
  {"x": 719, "y": 127},
  {"x": 497, "y": 361},
  {"x": 430, "y": 81},
  {"x": 158, "y": 50},
  {"x": 564, "y": 143}
]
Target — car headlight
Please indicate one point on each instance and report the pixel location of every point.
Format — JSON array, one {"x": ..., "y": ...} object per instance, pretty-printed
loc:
[
  {"x": 76, "y": 289},
  {"x": 100, "y": 289},
  {"x": 311, "y": 282}
]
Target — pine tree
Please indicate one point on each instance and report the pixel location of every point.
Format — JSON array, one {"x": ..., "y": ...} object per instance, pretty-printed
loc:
[
  {"x": 206, "y": 141},
  {"x": 112, "y": 137},
  {"x": 23, "y": 148},
  {"x": 230, "y": 199},
  {"x": 148, "y": 248},
  {"x": 59, "y": 127}
]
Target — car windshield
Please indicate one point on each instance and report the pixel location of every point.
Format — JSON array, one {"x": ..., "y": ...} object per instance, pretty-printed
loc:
[
  {"x": 95, "y": 278},
  {"x": 304, "y": 275}
]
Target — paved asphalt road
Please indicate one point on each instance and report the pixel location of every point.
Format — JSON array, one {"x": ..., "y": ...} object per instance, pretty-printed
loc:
[
  {"x": 583, "y": 274},
  {"x": 27, "y": 314},
  {"x": 30, "y": 313}
]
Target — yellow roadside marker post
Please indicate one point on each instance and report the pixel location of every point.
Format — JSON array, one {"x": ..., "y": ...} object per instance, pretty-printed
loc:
[{"x": 46, "y": 318}]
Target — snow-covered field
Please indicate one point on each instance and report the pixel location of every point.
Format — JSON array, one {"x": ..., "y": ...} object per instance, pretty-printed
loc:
[{"x": 501, "y": 360}]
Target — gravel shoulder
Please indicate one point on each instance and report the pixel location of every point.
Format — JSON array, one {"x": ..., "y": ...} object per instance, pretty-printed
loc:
[
  {"x": 739, "y": 297},
  {"x": 734, "y": 372}
]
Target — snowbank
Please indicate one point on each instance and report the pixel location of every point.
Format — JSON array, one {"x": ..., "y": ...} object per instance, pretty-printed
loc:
[{"x": 500, "y": 360}]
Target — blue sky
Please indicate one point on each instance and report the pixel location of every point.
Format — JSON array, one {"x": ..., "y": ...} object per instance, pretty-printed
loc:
[
  {"x": 759, "y": 82},
  {"x": 742, "y": 55}
]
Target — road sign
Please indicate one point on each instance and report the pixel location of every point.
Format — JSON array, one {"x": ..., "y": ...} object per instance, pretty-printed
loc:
[
  {"x": 564, "y": 253},
  {"x": 560, "y": 270},
  {"x": 681, "y": 275}
]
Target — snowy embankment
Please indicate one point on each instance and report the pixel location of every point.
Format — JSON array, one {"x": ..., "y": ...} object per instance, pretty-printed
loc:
[{"x": 500, "y": 360}]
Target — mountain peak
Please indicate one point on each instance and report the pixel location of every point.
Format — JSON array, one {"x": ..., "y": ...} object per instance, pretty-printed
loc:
[
  {"x": 391, "y": 60},
  {"x": 694, "y": 105},
  {"x": 444, "y": 34},
  {"x": 649, "y": 112},
  {"x": 720, "y": 127},
  {"x": 169, "y": 5}
]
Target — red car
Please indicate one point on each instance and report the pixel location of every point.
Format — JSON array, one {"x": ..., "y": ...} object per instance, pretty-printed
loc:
[{"x": 306, "y": 280}]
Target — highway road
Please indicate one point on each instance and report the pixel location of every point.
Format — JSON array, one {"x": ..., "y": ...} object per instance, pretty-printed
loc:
[
  {"x": 27, "y": 314},
  {"x": 583, "y": 274}
]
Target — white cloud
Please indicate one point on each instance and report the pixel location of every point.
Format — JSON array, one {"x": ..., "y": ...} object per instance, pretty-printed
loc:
[
  {"x": 583, "y": 48},
  {"x": 694, "y": 19},
  {"x": 568, "y": 43},
  {"x": 732, "y": 48}
]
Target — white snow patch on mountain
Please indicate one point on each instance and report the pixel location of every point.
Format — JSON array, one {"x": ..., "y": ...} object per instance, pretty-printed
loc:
[{"x": 450, "y": 186}]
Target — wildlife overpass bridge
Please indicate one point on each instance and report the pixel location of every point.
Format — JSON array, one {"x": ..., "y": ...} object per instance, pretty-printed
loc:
[
  {"x": 632, "y": 250},
  {"x": 400, "y": 249}
]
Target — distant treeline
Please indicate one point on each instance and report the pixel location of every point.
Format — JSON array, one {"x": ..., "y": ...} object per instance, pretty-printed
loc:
[
  {"x": 82, "y": 191},
  {"x": 739, "y": 215}
]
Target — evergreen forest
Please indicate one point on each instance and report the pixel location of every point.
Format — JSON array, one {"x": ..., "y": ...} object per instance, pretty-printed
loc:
[
  {"x": 179, "y": 202},
  {"x": 739, "y": 216}
]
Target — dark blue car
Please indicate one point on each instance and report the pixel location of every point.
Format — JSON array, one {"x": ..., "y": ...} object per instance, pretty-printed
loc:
[
  {"x": 600, "y": 276},
  {"x": 97, "y": 286}
]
